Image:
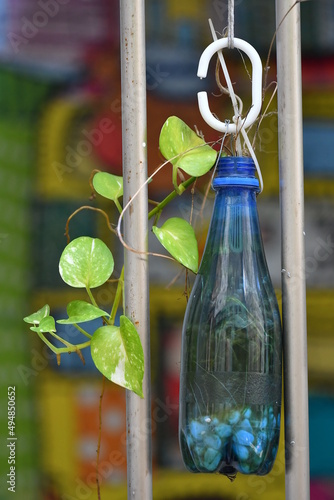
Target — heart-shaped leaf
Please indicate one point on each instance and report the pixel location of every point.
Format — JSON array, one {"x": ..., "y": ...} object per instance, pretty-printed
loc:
[
  {"x": 80, "y": 311},
  {"x": 118, "y": 354},
  {"x": 36, "y": 317},
  {"x": 193, "y": 155},
  {"x": 178, "y": 237},
  {"x": 108, "y": 185},
  {"x": 47, "y": 324},
  {"x": 86, "y": 263}
]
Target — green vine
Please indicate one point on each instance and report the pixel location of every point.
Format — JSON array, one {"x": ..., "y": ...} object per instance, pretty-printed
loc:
[{"x": 88, "y": 263}]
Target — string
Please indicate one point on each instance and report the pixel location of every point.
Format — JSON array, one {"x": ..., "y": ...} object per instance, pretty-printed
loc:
[
  {"x": 237, "y": 117},
  {"x": 227, "y": 122},
  {"x": 229, "y": 86},
  {"x": 230, "y": 24}
]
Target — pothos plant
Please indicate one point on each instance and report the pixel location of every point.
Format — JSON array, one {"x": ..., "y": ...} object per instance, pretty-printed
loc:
[{"x": 88, "y": 263}]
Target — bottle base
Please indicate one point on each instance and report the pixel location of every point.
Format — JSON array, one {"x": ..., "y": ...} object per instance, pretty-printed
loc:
[{"x": 244, "y": 441}]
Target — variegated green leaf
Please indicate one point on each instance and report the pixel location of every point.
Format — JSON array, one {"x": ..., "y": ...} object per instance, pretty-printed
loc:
[
  {"x": 118, "y": 354},
  {"x": 80, "y": 311},
  {"x": 185, "y": 149},
  {"x": 178, "y": 237},
  {"x": 86, "y": 263}
]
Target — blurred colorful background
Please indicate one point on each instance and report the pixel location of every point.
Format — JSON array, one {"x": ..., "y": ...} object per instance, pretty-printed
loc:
[{"x": 60, "y": 118}]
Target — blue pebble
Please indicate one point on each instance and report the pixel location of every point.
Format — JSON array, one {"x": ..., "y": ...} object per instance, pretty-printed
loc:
[
  {"x": 241, "y": 451},
  {"x": 213, "y": 441},
  {"x": 197, "y": 430},
  {"x": 245, "y": 469},
  {"x": 247, "y": 413},
  {"x": 197, "y": 453},
  {"x": 246, "y": 426},
  {"x": 234, "y": 418},
  {"x": 211, "y": 459},
  {"x": 264, "y": 423},
  {"x": 223, "y": 430},
  {"x": 198, "y": 450},
  {"x": 262, "y": 438},
  {"x": 243, "y": 437}
]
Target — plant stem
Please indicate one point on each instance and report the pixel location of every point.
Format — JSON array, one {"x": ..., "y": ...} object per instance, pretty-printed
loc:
[
  {"x": 46, "y": 341},
  {"x": 117, "y": 299},
  {"x": 74, "y": 348},
  {"x": 176, "y": 187},
  {"x": 90, "y": 295},
  {"x": 87, "y": 207},
  {"x": 60, "y": 350},
  {"x": 68, "y": 344},
  {"x": 170, "y": 197},
  {"x": 118, "y": 205},
  {"x": 82, "y": 330}
]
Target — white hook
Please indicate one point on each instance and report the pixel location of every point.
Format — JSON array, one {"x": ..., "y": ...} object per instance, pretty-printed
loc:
[{"x": 203, "y": 102}]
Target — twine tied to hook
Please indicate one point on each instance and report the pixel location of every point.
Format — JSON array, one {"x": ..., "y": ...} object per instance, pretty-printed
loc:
[{"x": 230, "y": 31}]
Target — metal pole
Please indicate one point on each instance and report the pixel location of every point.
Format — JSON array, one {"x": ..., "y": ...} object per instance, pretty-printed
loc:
[
  {"x": 133, "y": 75},
  {"x": 290, "y": 137}
]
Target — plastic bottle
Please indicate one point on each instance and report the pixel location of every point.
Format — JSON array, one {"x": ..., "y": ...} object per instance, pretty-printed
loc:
[{"x": 231, "y": 361}]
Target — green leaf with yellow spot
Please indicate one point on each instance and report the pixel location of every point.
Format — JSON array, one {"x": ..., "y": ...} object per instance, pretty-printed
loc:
[
  {"x": 178, "y": 237},
  {"x": 80, "y": 311},
  {"x": 36, "y": 317},
  {"x": 86, "y": 263},
  {"x": 185, "y": 149},
  {"x": 108, "y": 185},
  {"x": 47, "y": 324},
  {"x": 118, "y": 354}
]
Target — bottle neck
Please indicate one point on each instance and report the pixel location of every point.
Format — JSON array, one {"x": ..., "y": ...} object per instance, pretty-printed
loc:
[
  {"x": 234, "y": 224},
  {"x": 233, "y": 171},
  {"x": 236, "y": 194}
]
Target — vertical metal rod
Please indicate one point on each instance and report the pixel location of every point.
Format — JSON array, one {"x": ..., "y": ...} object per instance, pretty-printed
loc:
[
  {"x": 133, "y": 77},
  {"x": 290, "y": 137}
]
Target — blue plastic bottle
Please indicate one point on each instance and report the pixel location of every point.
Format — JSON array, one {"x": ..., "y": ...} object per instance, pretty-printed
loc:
[{"x": 231, "y": 362}]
